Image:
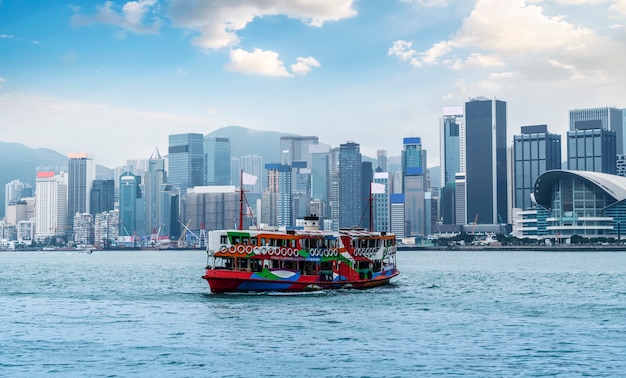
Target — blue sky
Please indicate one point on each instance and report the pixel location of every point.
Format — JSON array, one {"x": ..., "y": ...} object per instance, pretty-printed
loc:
[{"x": 115, "y": 78}]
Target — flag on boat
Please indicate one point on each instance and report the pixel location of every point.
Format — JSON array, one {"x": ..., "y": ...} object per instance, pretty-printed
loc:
[
  {"x": 248, "y": 179},
  {"x": 377, "y": 188}
]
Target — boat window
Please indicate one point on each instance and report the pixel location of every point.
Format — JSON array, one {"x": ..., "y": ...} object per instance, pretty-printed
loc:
[
  {"x": 293, "y": 243},
  {"x": 263, "y": 241},
  {"x": 223, "y": 239},
  {"x": 253, "y": 241},
  {"x": 236, "y": 240},
  {"x": 245, "y": 241}
]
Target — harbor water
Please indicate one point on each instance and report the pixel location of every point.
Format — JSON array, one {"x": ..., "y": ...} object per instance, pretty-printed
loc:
[{"x": 148, "y": 313}]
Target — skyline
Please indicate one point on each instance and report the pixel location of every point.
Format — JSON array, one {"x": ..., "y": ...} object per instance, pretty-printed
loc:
[{"x": 122, "y": 76}]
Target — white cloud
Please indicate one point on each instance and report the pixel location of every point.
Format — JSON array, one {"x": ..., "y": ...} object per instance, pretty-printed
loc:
[
  {"x": 480, "y": 60},
  {"x": 2, "y": 80},
  {"x": 136, "y": 16},
  {"x": 218, "y": 21},
  {"x": 304, "y": 65},
  {"x": 619, "y": 6},
  {"x": 258, "y": 62},
  {"x": 519, "y": 34},
  {"x": 402, "y": 49},
  {"x": 267, "y": 63}
]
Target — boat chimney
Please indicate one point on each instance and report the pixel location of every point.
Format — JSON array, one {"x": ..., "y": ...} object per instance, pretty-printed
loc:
[{"x": 311, "y": 222}]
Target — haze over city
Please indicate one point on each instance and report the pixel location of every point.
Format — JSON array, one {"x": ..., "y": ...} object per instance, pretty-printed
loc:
[{"x": 115, "y": 78}]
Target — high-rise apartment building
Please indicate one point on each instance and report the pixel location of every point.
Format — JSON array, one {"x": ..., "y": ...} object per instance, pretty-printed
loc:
[
  {"x": 186, "y": 161},
  {"x": 350, "y": 173},
  {"x": 451, "y": 158},
  {"x": 535, "y": 151},
  {"x": 486, "y": 161},
  {"x": 607, "y": 118},
  {"x": 216, "y": 161},
  {"x": 81, "y": 174}
]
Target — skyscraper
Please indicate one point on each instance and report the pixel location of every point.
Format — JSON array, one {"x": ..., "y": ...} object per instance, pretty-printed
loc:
[
  {"x": 216, "y": 161},
  {"x": 381, "y": 161},
  {"x": 611, "y": 119},
  {"x": 185, "y": 160},
  {"x": 279, "y": 178},
  {"x": 485, "y": 161},
  {"x": 350, "y": 204},
  {"x": 296, "y": 148},
  {"x": 130, "y": 211},
  {"x": 50, "y": 206},
  {"x": 452, "y": 154},
  {"x": 381, "y": 202},
  {"x": 396, "y": 214},
  {"x": 102, "y": 196},
  {"x": 367, "y": 177},
  {"x": 81, "y": 174},
  {"x": 534, "y": 152},
  {"x": 414, "y": 186},
  {"x": 591, "y": 149},
  {"x": 320, "y": 173},
  {"x": 153, "y": 181}
]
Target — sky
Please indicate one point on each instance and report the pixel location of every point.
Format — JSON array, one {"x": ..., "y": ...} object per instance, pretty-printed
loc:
[{"x": 115, "y": 78}]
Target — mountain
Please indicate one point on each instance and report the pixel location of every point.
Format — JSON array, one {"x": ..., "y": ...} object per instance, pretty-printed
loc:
[{"x": 18, "y": 162}]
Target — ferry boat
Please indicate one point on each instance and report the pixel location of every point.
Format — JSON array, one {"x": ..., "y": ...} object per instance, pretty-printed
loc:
[{"x": 299, "y": 260}]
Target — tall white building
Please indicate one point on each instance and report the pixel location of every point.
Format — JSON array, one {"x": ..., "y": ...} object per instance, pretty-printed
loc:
[{"x": 50, "y": 205}]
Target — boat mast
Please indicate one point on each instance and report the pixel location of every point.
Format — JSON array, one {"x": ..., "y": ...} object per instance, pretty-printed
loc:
[
  {"x": 241, "y": 200},
  {"x": 371, "y": 199}
]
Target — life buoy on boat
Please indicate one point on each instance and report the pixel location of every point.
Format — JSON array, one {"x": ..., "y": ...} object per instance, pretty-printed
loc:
[
  {"x": 263, "y": 250},
  {"x": 283, "y": 251},
  {"x": 223, "y": 248},
  {"x": 249, "y": 249},
  {"x": 232, "y": 249},
  {"x": 241, "y": 249},
  {"x": 312, "y": 252}
]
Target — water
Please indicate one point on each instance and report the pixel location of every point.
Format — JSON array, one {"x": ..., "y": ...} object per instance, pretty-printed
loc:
[{"x": 149, "y": 313}]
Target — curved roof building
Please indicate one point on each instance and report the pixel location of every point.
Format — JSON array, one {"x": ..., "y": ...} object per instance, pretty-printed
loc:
[{"x": 584, "y": 203}]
